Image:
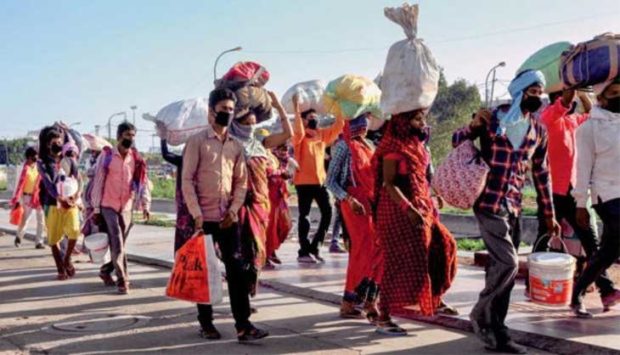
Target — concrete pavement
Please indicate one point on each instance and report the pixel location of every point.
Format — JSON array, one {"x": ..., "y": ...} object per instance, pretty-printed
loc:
[
  {"x": 551, "y": 329},
  {"x": 81, "y": 316}
]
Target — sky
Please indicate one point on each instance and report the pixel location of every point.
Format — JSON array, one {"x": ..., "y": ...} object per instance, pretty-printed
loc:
[{"x": 81, "y": 61}]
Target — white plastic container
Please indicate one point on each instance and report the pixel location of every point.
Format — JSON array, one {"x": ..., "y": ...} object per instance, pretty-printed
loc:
[{"x": 97, "y": 244}]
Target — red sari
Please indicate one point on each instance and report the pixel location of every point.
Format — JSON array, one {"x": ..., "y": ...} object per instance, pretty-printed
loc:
[
  {"x": 419, "y": 260},
  {"x": 280, "y": 223},
  {"x": 364, "y": 254}
]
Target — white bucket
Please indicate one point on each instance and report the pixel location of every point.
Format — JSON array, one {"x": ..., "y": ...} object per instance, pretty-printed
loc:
[
  {"x": 97, "y": 243},
  {"x": 551, "y": 278}
]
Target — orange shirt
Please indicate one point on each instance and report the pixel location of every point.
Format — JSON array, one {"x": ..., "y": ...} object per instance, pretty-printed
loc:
[{"x": 310, "y": 151}]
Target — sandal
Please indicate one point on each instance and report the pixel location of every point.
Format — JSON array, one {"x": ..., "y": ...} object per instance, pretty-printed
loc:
[
  {"x": 390, "y": 328},
  {"x": 372, "y": 314},
  {"x": 70, "y": 269},
  {"x": 61, "y": 277},
  {"x": 251, "y": 334},
  {"x": 107, "y": 279},
  {"x": 348, "y": 311},
  {"x": 447, "y": 309}
]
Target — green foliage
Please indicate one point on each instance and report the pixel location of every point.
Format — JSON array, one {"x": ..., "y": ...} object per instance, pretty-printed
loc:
[
  {"x": 452, "y": 109},
  {"x": 163, "y": 188},
  {"x": 470, "y": 244},
  {"x": 15, "y": 149},
  {"x": 3, "y": 184}
]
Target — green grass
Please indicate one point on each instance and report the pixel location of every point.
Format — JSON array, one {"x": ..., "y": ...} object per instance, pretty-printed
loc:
[
  {"x": 156, "y": 220},
  {"x": 3, "y": 185},
  {"x": 470, "y": 244},
  {"x": 163, "y": 188}
]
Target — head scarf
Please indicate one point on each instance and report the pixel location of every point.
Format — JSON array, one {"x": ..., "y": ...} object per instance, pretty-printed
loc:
[
  {"x": 516, "y": 89},
  {"x": 69, "y": 147},
  {"x": 356, "y": 127},
  {"x": 247, "y": 136}
]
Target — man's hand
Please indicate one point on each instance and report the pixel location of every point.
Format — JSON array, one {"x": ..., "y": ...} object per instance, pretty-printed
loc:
[
  {"x": 583, "y": 217},
  {"x": 162, "y": 130},
  {"x": 481, "y": 119},
  {"x": 228, "y": 220},
  {"x": 274, "y": 100},
  {"x": 147, "y": 215},
  {"x": 198, "y": 223},
  {"x": 356, "y": 206},
  {"x": 553, "y": 227}
]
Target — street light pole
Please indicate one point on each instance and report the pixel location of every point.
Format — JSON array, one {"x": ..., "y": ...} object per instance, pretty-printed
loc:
[
  {"x": 110, "y": 122},
  {"x": 133, "y": 110},
  {"x": 218, "y": 59},
  {"x": 488, "y": 100}
]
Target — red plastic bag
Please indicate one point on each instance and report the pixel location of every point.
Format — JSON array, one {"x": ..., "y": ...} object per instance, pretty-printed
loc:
[
  {"x": 17, "y": 214},
  {"x": 196, "y": 276}
]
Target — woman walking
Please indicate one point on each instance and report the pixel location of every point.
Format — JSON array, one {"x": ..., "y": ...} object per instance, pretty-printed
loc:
[{"x": 419, "y": 252}]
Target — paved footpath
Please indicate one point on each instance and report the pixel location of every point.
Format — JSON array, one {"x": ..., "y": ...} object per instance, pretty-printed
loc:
[{"x": 318, "y": 287}]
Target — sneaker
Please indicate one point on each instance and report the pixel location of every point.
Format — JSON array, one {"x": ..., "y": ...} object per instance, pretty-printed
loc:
[
  {"x": 274, "y": 259},
  {"x": 510, "y": 347},
  {"x": 318, "y": 257},
  {"x": 486, "y": 335},
  {"x": 335, "y": 248},
  {"x": 209, "y": 332},
  {"x": 251, "y": 334},
  {"x": 39, "y": 246},
  {"x": 306, "y": 260},
  {"x": 580, "y": 311},
  {"x": 610, "y": 300}
]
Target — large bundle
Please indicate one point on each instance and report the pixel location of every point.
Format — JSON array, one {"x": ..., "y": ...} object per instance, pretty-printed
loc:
[
  {"x": 351, "y": 95},
  {"x": 410, "y": 78},
  {"x": 593, "y": 62},
  {"x": 256, "y": 99},
  {"x": 244, "y": 73},
  {"x": 182, "y": 119},
  {"x": 310, "y": 95},
  {"x": 247, "y": 80},
  {"x": 548, "y": 60},
  {"x": 96, "y": 143}
]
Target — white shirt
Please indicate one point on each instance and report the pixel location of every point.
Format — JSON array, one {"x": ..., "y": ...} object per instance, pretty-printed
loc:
[{"x": 598, "y": 157}]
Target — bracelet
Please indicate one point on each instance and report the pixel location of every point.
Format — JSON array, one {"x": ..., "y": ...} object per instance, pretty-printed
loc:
[{"x": 405, "y": 205}]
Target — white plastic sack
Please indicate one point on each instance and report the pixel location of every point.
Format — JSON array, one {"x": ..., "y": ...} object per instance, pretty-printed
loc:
[
  {"x": 310, "y": 96},
  {"x": 216, "y": 289},
  {"x": 410, "y": 78},
  {"x": 183, "y": 119}
]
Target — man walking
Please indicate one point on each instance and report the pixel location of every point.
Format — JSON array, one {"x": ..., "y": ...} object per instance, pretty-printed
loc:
[
  {"x": 214, "y": 186},
  {"x": 120, "y": 178}
]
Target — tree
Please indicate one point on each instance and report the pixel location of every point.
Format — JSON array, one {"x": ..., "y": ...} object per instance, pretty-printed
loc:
[
  {"x": 451, "y": 110},
  {"x": 13, "y": 150}
]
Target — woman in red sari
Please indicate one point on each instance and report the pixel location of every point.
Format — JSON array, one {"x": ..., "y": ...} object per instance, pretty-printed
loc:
[
  {"x": 280, "y": 223},
  {"x": 419, "y": 252},
  {"x": 350, "y": 179},
  {"x": 254, "y": 214}
]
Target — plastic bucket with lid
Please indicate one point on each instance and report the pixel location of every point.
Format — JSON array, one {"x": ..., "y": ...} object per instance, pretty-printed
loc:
[
  {"x": 97, "y": 243},
  {"x": 551, "y": 278}
]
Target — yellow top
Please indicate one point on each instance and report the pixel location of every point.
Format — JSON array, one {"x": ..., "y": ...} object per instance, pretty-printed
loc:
[{"x": 31, "y": 178}]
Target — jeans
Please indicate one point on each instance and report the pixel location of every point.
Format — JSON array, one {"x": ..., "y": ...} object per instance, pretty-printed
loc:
[{"x": 117, "y": 225}]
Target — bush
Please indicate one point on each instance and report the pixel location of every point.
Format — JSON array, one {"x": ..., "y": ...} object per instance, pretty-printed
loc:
[{"x": 163, "y": 188}]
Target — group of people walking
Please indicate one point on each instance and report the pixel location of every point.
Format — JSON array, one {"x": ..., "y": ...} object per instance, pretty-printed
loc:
[{"x": 233, "y": 184}]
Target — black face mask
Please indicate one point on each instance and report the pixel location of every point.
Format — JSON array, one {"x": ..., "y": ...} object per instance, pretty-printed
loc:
[
  {"x": 613, "y": 105},
  {"x": 531, "y": 104},
  {"x": 223, "y": 118},
  {"x": 127, "y": 143},
  {"x": 313, "y": 123},
  {"x": 56, "y": 148}
]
